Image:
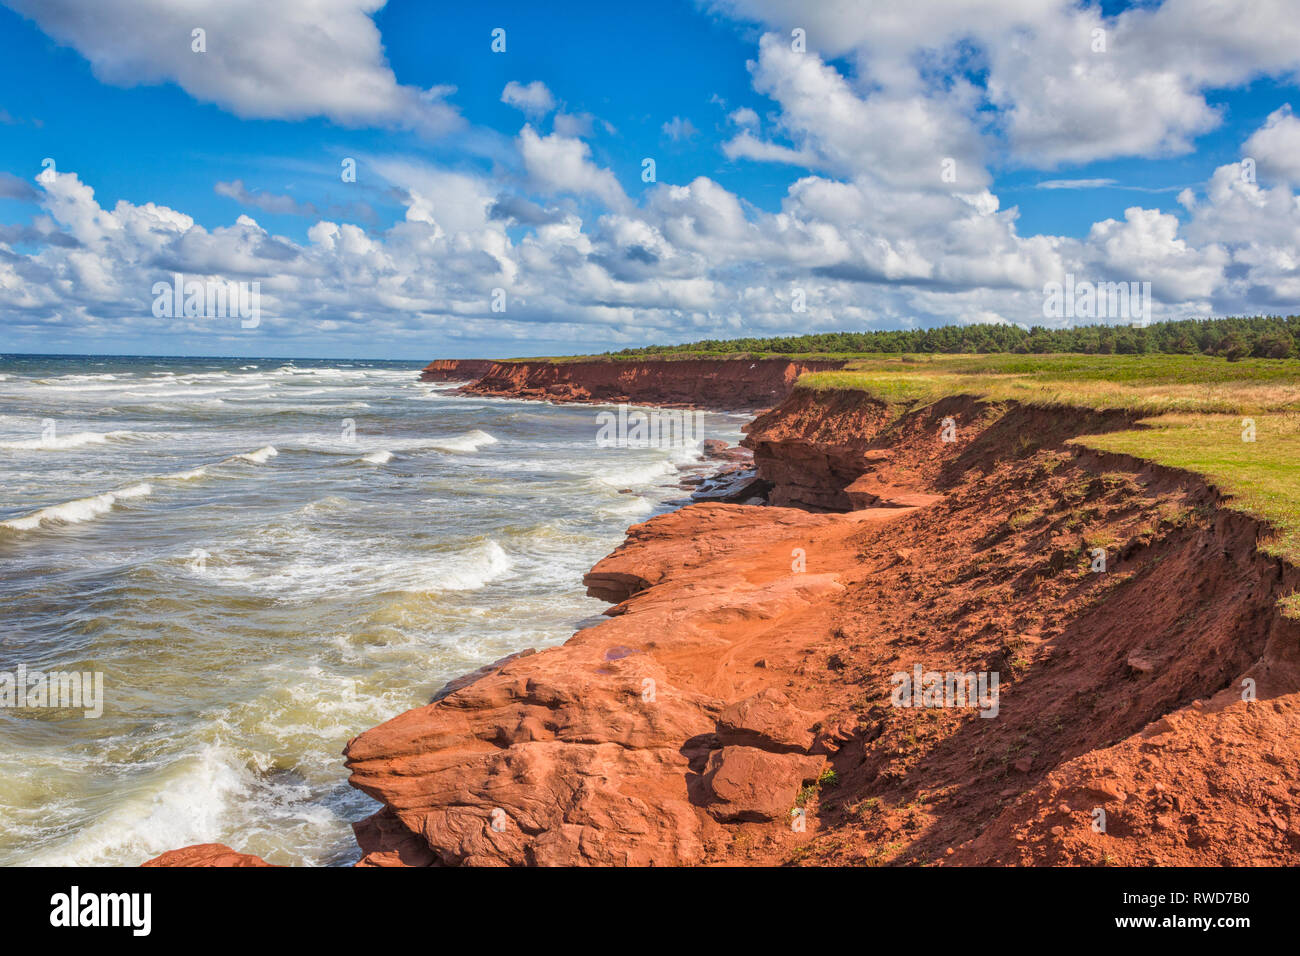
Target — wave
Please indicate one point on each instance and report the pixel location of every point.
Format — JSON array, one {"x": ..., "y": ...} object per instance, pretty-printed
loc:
[
  {"x": 259, "y": 457},
  {"x": 629, "y": 506},
  {"x": 470, "y": 441},
  {"x": 627, "y": 476},
  {"x": 489, "y": 564},
  {"x": 381, "y": 457},
  {"x": 77, "y": 510},
  {"x": 215, "y": 789},
  {"x": 318, "y": 568},
  {"x": 64, "y": 442}
]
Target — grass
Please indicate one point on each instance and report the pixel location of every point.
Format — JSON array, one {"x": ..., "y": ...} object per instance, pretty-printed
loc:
[
  {"x": 1142, "y": 384},
  {"x": 1191, "y": 413},
  {"x": 1263, "y": 476}
]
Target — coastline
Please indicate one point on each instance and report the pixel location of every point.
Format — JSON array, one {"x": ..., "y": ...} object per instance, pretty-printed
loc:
[
  {"x": 715, "y": 384},
  {"x": 735, "y": 706}
]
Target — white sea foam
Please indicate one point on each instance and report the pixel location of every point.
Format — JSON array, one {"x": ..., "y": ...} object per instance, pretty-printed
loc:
[
  {"x": 380, "y": 457},
  {"x": 629, "y": 476},
  {"x": 629, "y": 505},
  {"x": 79, "y": 509},
  {"x": 209, "y": 791},
  {"x": 470, "y": 441},
  {"x": 64, "y": 442},
  {"x": 259, "y": 457},
  {"x": 318, "y": 569},
  {"x": 472, "y": 571}
]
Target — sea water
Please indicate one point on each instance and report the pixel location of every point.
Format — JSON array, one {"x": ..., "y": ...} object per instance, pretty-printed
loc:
[{"x": 264, "y": 558}]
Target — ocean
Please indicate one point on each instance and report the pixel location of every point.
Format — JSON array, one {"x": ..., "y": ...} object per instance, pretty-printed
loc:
[{"x": 264, "y": 558}]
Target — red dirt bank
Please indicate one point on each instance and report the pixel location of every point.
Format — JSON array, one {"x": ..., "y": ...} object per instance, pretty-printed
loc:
[
  {"x": 706, "y": 383},
  {"x": 455, "y": 370},
  {"x": 752, "y": 648}
]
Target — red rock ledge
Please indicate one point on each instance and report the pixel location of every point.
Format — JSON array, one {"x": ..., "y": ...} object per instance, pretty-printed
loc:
[
  {"x": 636, "y": 741},
  {"x": 752, "y": 649},
  {"x": 703, "y": 383},
  {"x": 455, "y": 370},
  {"x": 206, "y": 854}
]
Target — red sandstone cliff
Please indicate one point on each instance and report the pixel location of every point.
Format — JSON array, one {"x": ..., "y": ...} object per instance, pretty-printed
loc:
[
  {"x": 707, "y": 383},
  {"x": 753, "y": 649},
  {"x": 455, "y": 370}
]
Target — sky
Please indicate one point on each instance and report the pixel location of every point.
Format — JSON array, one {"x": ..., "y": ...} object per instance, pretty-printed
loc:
[{"x": 425, "y": 179}]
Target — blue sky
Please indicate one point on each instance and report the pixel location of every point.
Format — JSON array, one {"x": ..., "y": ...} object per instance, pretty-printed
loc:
[{"x": 777, "y": 168}]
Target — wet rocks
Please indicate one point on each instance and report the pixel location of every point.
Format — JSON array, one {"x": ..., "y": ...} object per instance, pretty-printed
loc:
[{"x": 734, "y": 486}]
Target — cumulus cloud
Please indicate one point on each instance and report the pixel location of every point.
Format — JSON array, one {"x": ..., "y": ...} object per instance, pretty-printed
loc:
[
  {"x": 902, "y": 138},
  {"x": 533, "y": 98},
  {"x": 893, "y": 220},
  {"x": 285, "y": 60},
  {"x": 562, "y": 164},
  {"x": 1275, "y": 146},
  {"x": 744, "y": 116},
  {"x": 1064, "y": 82}
]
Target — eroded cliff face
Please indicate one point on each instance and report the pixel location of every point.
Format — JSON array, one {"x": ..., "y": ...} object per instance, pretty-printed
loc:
[
  {"x": 753, "y": 649},
  {"x": 704, "y": 383},
  {"x": 455, "y": 370}
]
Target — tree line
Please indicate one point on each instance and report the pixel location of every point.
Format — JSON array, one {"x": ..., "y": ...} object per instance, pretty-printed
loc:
[{"x": 1231, "y": 338}]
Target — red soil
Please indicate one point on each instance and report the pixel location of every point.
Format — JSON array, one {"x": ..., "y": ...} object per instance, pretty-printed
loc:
[
  {"x": 455, "y": 370},
  {"x": 711, "y": 383}
]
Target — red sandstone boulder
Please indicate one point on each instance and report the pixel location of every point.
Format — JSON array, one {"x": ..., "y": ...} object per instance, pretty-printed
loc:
[
  {"x": 766, "y": 720},
  {"x": 206, "y": 854},
  {"x": 748, "y": 784}
]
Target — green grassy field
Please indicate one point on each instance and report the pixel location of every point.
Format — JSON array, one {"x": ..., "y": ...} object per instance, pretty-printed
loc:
[
  {"x": 1263, "y": 475},
  {"x": 1145, "y": 384},
  {"x": 1195, "y": 413}
]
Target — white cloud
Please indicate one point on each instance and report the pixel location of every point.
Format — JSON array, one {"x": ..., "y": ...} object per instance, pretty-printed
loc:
[
  {"x": 745, "y": 117},
  {"x": 1056, "y": 94},
  {"x": 290, "y": 59},
  {"x": 748, "y": 146},
  {"x": 268, "y": 202},
  {"x": 874, "y": 232},
  {"x": 562, "y": 164},
  {"x": 1275, "y": 146},
  {"x": 533, "y": 98},
  {"x": 678, "y": 129},
  {"x": 898, "y": 138}
]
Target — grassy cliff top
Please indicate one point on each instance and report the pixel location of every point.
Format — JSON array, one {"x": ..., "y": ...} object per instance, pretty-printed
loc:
[
  {"x": 685, "y": 355},
  {"x": 1235, "y": 423},
  {"x": 1143, "y": 384}
]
